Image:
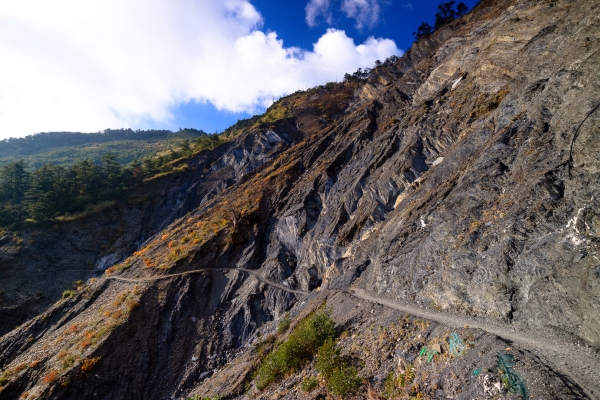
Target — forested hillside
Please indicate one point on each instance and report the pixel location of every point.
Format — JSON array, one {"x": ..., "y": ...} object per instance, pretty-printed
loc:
[
  {"x": 66, "y": 148},
  {"x": 55, "y": 190}
]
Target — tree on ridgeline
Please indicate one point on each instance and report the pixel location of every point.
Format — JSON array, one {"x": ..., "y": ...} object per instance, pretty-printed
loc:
[
  {"x": 423, "y": 30},
  {"x": 446, "y": 13}
]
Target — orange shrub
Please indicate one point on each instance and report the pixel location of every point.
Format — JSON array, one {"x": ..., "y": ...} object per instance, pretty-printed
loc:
[
  {"x": 89, "y": 363},
  {"x": 171, "y": 244},
  {"x": 51, "y": 377},
  {"x": 132, "y": 304},
  {"x": 148, "y": 263},
  {"x": 74, "y": 328},
  {"x": 86, "y": 343},
  {"x": 34, "y": 363},
  {"x": 109, "y": 270},
  {"x": 190, "y": 220},
  {"x": 19, "y": 368},
  {"x": 163, "y": 237},
  {"x": 140, "y": 252}
]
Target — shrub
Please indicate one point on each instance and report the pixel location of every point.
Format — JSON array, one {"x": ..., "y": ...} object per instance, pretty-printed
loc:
[
  {"x": 19, "y": 368},
  {"x": 344, "y": 381},
  {"x": 132, "y": 305},
  {"x": 342, "y": 378},
  {"x": 396, "y": 384},
  {"x": 89, "y": 363},
  {"x": 67, "y": 360},
  {"x": 51, "y": 377},
  {"x": 309, "y": 384},
  {"x": 4, "y": 377},
  {"x": 302, "y": 343},
  {"x": 68, "y": 293}
]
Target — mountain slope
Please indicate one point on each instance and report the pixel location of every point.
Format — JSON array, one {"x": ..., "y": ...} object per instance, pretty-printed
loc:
[
  {"x": 66, "y": 148},
  {"x": 461, "y": 180}
]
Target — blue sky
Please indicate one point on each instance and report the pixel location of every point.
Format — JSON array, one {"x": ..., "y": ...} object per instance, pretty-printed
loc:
[
  {"x": 397, "y": 20},
  {"x": 86, "y": 66}
]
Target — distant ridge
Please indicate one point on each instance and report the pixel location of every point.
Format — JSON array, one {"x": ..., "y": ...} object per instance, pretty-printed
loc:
[{"x": 65, "y": 148}]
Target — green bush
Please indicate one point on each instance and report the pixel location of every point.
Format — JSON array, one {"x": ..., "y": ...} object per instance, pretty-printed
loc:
[
  {"x": 68, "y": 293},
  {"x": 342, "y": 378},
  {"x": 328, "y": 358},
  {"x": 302, "y": 343},
  {"x": 344, "y": 381}
]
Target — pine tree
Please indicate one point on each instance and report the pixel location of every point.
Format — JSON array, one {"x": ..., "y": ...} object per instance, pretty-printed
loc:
[{"x": 14, "y": 182}]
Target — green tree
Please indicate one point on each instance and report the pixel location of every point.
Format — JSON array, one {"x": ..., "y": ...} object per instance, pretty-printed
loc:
[
  {"x": 14, "y": 182},
  {"x": 423, "y": 30},
  {"x": 48, "y": 195},
  {"x": 185, "y": 147},
  {"x": 447, "y": 14},
  {"x": 111, "y": 174},
  {"x": 88, "y": 181}
]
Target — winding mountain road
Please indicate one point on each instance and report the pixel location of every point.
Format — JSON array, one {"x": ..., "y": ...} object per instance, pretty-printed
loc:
[
  {"x": 578, "y": 363},
  {"x": 197, "y": 271}
]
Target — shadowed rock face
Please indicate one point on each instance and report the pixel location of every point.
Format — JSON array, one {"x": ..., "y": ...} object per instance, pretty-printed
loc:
[{"x": 463, "y": 178}]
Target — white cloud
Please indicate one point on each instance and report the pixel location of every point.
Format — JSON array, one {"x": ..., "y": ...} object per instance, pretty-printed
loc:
[
  {"x": 366, "y": 12},
  {"x": 73, "y": 65},
  {"x": 317, "y": 8}
]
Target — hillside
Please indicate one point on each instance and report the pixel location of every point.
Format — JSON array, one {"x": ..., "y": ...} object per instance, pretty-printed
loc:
[
  {"x": 66, "y": 148},
  {"x": 429, "y": 233}
]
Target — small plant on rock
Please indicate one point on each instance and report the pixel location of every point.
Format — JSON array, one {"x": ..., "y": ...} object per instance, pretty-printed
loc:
[{"x": 68, "y": 293}]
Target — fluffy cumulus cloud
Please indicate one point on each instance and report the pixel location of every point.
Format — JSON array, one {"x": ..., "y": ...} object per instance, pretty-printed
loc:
[
  {"x": 318, "y": 8},
  {"x": 74, "y": 65},
  {"x": 366, "y": 12}
]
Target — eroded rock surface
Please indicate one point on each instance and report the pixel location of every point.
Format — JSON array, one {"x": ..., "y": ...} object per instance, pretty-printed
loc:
[{"x": 461, "y": 180}]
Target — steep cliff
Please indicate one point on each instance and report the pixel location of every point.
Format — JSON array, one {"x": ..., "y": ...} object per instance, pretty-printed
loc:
[{"x": 459, "y": 186}]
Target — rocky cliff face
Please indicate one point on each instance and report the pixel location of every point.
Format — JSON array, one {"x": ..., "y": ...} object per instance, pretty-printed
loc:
[{"x": 459, "y": 185}]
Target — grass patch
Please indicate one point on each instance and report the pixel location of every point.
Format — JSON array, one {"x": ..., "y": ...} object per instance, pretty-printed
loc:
[{"x": 284, "y": 324}]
